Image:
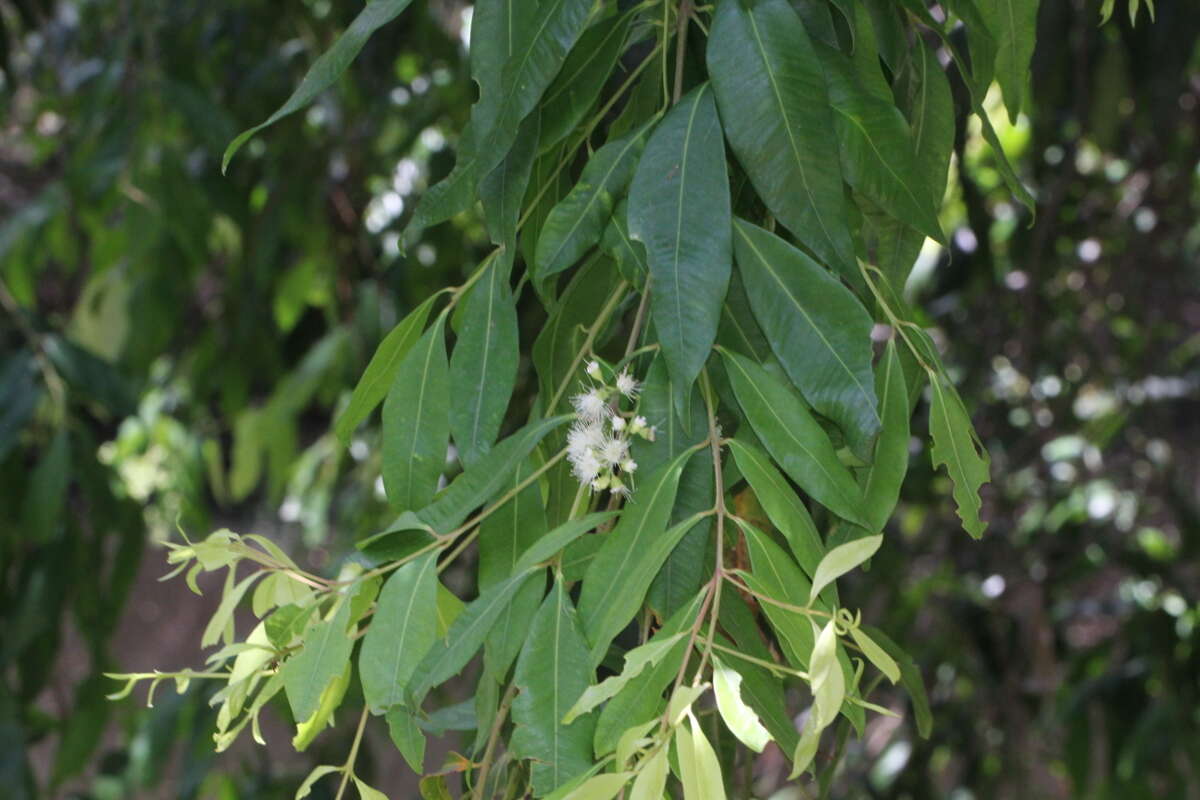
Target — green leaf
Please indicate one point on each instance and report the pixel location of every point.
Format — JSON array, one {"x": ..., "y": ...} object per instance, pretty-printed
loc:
[
  {"x": 876, "y": 148},
  {"x": 910, "y": 678},
  {"x": 314, "y": 776},
  {"x": 957, "y": 446},
  {"x": 552, "y": 670},
  {"x": 825, "y": 674},
  {"x": 679, "y": 209},
  {"x": 617, "y": 243},
  {"x": 483, "y": 368},
  {"x": 503, "y": 189},
  {"x": 416, "y": 423},
  {"x": 876, "y": 654},
  {"x": 42, "y": 506},
  {"x": 774, "y": 575},
  {"x": 326, "y": 69},
  {"x": 556, "y": 540},
  {"x": 806, "y": 747},
  {"x": 783, "y": 507},
  {"x": 582, "y": 76},
  {"x": 651, "y": 781},
  {"x": 739, "y": 717},
  {"x": 930, "y": 109},
  {"x": 819, "y": 331},
  {"x": 624, "y": 566},
  {"x": 887, "y": 470},
  {"x": 323, "y": 658},
  {"x": 406, "y": 734},
  {"x": 331, "y": 699},
  {"x": 367, "y": 792},
  {"x": 578, "y": 221},
  {"x": 698, "y": 765},
  {"x": 636, "y": 660},
  {"x": 381, "y": 371},
  {"x": 601, "y": 787},
  {"x": 402, "y": 631},
  {"x": 840, "y": 560},
  {"x": 775, "y": 112},
  {"x": 686, "y": 566},
  {"x": 793, "y": 438}
]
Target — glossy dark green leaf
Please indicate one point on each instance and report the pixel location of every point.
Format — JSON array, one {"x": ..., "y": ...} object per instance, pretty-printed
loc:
[
  {"x": 380, "y": 373},
  {"x": 416, "y": 422},
  {"x": 577, "y": 222},
  {"x": 957, "y": 447},
  {"x": 817, "y": 328},
  {"x": 981, "y": 42},
  {"x": 888, "y": 468},
  {"x": 930, "y": 109},
  {"x": 322, "y": 660},
  {"x": 552, "y": 671},
  {"x": 18, "y": 397},
  {"x": 483, "y": 368},
  {"x": 503, "y": 190},
  {"x": 622, "y": 570},
  {"x": 402, "y": 630},
  {"x": 688, "y": 564},
  {"x": 679, "y": 209},
  {"x": 739, "y": 330},
  {"x": 775, "y": 112},
  {"x": 583, "y": 75},
  {"x": 617, "y": 243},
  {"x": 326, "y": 69},
  {"x": 877, "y": 149},
  {"x": 774, "y": 574},
  {"x": 793, "y": 438},
  {"x": 783, "y": 507}
]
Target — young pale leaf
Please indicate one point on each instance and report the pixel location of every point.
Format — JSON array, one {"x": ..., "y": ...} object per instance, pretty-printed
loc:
[
  {"x": 819, "y": 331},
  {"x": 483, "y": 368},
  {"x": 317, "y": 773},
  {"x": 783, "y": 507},
  {"x": 887, "y": 470},
  {"x": 679, "y": 209},
  {"x": 706, "y": 782},
  {"x": 401, "y": 633},
  {"x": 956, "y": 445},
  {"x": 825, "y": 674},
  {"x": 762, "y": 689},
  {"x": 739, "y": 717},
  {"x": 775, "y": 113},
  {"x": 328, "y": 67},
  {"x": 366, "y": 791},
  {"x": 577, "y": 222},
  {"x": 416, "y": 424},
  {"x": 582, "y": 77},
  {"x": 624, "y": 566},
  {"x": 381, "y": 371},
  {"x": 680, "y": 704},
  {"x": 601, "y": 787},
  {"x": 323, "y": 658},
  {"x": 877, "y": 150},
  {"x": 806, "y": 747},
  {"x": 552, "y": 669},
  {"x": 636, "y": 660},
  {"x": 633, "y": 740},
  {"x": 795, "y": 440},
  {"x": 651, "y": 780},
  {"x": 876, "y": 654},
  {"x": 842, "y": 559}
]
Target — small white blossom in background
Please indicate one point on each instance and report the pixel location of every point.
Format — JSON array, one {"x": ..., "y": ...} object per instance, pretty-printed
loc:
[{"x": 599, "y": 441}]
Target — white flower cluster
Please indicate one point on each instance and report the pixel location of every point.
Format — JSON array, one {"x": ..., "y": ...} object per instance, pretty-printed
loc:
[{"x": 598, "y": 443}]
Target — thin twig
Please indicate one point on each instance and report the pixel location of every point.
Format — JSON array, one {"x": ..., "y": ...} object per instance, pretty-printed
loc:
[
  {"x": 348, "y": 769},
  {"x": 494, "y": 736}
]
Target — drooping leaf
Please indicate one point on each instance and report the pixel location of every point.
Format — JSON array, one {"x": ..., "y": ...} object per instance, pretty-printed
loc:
[
  {"x": 552, "y": 670},
  {"x": 416, "y": 422},
  {"x": 679, "y": 208},
  {"x": 326, "y": 69},
  {"x": 406, "y": 734},
  {"x": 402, "y": 631},
  {"x": 738, "y": 717},
  {"x": 380, "y": 373},
  {"x": 323, "y": 658},
  {"x": 578, "y": 221},
  {"x": 600, "y": 787},
  {"x": 825, "y": 675},
  {"x": 630, "y": 255},
  {"x": 888, "y": 468},
  {"x": 876, "y": 654},
  {"x": 1014, "y": 24},
  {"x": 698, "y": 765},
  {"x": 775, "y": 112},
  {"x": 483, "y": 368},
  {"x": 842, "y": 559},
  {"x": 636, "y": 660},
  {"x": 685, "y": 568},
  {"x": 957, "y": 446},
  {"x": 910, "y": 678},
  {"x": 651, "y": 780},
  {"x": 502, "y": 191},
  {"x": 819, "y": 331},
  {"x": 582, "y": 76},
  {"x": 794, "y": 438}
]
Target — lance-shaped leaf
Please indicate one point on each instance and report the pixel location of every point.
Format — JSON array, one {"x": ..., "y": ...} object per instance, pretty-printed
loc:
[
  {"x": 416, "y": 425},
  {"x": 876, "y": 654},
  {"x": 840, "y": 560},
  {"x": 583, "y": 75},
  {"x": 616, "y": 242},
  {"x": 956, "y": 445},
  {"x": 406, "y": 734},
  {"x": 552, "y": 670},
  {"x": 775, "y": 113},
  {"x": 651, "y": 780},
  {"x": 793, "y": 438},
  {"x": 1014, "y": 25},
  {"x": 699, "y": 769},
  {"x": 636, "y": 660},
  {"x": 817, "y": 328},
  {"x": 503, "y": 190},
  {"x": 825, "y": 674},
  {"x": 402, "y": 630},
  {"x": 483, "y": 368},
  {"x": 739, "y": 717},
  {"x": 877, "y": 149},
  {"x": 679, "y": 209},
  {"x": 326, "y": 69},
  {"x": 910, "y": 678},
  {"x": 323, "y": 658},
  {"x": 578, "y": 221},
  {"x": 624, "y": 566},
  {"x": 888, "y": 468}
]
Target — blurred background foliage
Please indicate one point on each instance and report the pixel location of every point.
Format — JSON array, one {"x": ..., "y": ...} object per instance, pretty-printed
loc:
[{"x": 173, "y": 343}]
